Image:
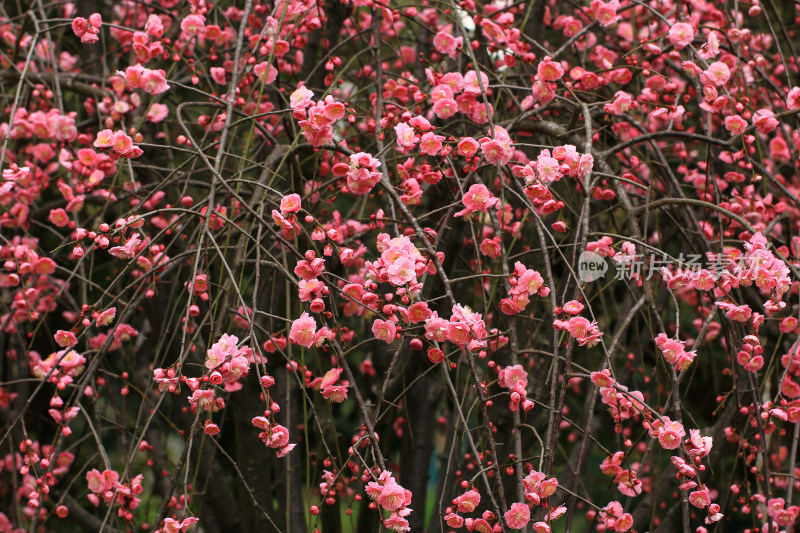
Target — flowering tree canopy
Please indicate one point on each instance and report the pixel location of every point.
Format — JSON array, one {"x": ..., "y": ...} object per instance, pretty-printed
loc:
[{"x": 355, "y": 266}]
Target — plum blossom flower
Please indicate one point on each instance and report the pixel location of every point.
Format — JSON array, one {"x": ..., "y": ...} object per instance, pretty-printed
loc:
[
  {"x": 65, "y": 339},
  {"x": 605, "y": 12},
  {"x": 362, "y": 175},
  {"x": 477, "y": 198},
  {"x": 291, "y": 203},
  {"x": 467, "y": 147},
  {"x": 384, "y": 330},
  {"x": 517, "y": 516},
  {"x": 681, "y": 35},
  {"x": 447, "y": 44},
  {"x": 193, "y": 25},
  {"x": 303, "y": 331},
  {"x": 716, "y": 74}
]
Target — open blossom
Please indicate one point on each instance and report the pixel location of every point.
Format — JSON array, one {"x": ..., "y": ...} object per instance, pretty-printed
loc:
[
  {"x": 793, "y": 99},
  {"x": 384, "y": 330},
  {"x": 477, "y": 198},
  {"x": 405, "y": 135},
  {"x": 193, "y": 25},
  {"x": 430, "y": 143},
  {"x": 499, "y": 150},
  {"x": 65, "y": 339},
  {"x": 303, "y": 331},
  {"x": 447, "y": 44},
  {"x": 291, "y": 203},
  {"x": 549, "y": 70},
  {"x": 468, "y": 501},
  {"x": 517, "y": 516},
  {"x": 681, "y": 35},
  {"x": 605, "y": 12},
  {"x": 716, "y": 74},
  {"x": 362, "y": 175},
  {"x": 622, "y": 103},
  {"x": 467, "y": 147}
]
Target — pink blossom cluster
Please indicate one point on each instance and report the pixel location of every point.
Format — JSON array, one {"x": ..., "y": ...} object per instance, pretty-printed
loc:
[
  {"x": 525, "y": 282},
  {"x": 477, "y": 199},
  {"x": 178, "y": 526},
  {"x": 362, "y": 173},
  {"x": 674, "y": 352},
  {"x": 46, "y": 125},
  {"x": 499, "y": 149},
  {"x": 453, "y": 92},
  {"x": 515, "y": 379},
  {"x": 315, "y": 119},
  {"x": 273, "y": 435},
  {"x": 791, "y": 362},
  {"x": 390, "y": 496},
  {"x": 465, "y": 329},
  {"x": 87, "y": 30},
  {"x": 35, "y": 459},
  {"x": 627, "y": 481},
  {"x": 106, "y": 485},
  {"x": 581, "y": 329},
  {"x": 750, "y": 355},
  {"x": 780, "y": 513},
  {"x": 228, "y": 363},
  {"x": 613, "y": 518},
  {"x": 150, "y": 81},
  {"x": 27, "y": 273},
  {"x": 332, "y": 389},
  {"x": 400, "y": 264},
  {"x": 120, "y": 143},
  {"x": 621, "y": 403},
  {"x": 286, "y": 218}
]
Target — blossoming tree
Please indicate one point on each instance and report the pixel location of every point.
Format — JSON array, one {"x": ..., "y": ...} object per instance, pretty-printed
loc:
[{"x": 353, "y": 265}]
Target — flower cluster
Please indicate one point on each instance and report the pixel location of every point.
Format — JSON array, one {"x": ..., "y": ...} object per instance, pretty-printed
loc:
[
  {"x": 273, "y": 435},
  {"x": 400, "y": 263},
  {"x": 674, "y": 352},
  {"x": 87, "y": 30},
  {"x": 581, "y": 329},
  {"x": 627, "y": 481},
  {"x": 362, "y": 173},
  {"x": 465, "y": 329},
  {"x": 332, "y": 389},
  {"x": 120, "y": 143},
  {"x": 525, "y": 282},
  {"x": 316, "y": 119},
  {"x": 150, "y": 81},
  {"x": 390, "y": 496},
  {"x": 515, "y": 379},
  {"x": 106, "y": 485}
]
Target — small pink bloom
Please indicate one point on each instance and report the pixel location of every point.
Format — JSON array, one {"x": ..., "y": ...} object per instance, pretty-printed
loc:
[
  {"x": 193, "y": 25},
  {"x": 716, "y": 74},
  {"x": 153, "y": 81},
  {"x": 65, "y": 339},
  {"x": 681, "y": 35},
  {"x": 384, "y": 330},
  {"x": 303, "y": 331},
  {"x": 549, "y": 70},
  {"x": 290, "y": 203},
  {"x": 477, "y": 198},
  {"x": 105, "y": 139},
  {"x": 58, "y": 217},
  {"x": 106, "y": 317},
  {"x": 468, "y": 147},
  {"x": 218, "y": 75},
  {"x": 468, "y": 501},
  {"x": 518, "y": 516}
]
